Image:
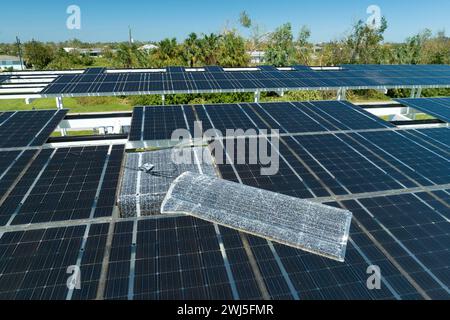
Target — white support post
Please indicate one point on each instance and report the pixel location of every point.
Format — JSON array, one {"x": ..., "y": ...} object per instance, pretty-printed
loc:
[
  {"x": 59, "y": 103},
  {"x": 413, "y": 93},
  {"x": 280, "y": 93},
  {"x": 341, "y": 94},
  {"x": 419, "y": 92},
  {"x": 63, "y": 132},
  {"x": 163, "y": 97},
  {"x": 28, "y": 100},
  {"x": 257, "y": 96}
]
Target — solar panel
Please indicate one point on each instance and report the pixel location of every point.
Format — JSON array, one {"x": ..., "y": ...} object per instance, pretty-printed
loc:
[
  {"x": 12, "y": 163},
  {"x": 158, "y": 123},
  {"x": 414, "y": 232},
  {"x": 95, "y": 71},
  {"x": 216, "y": 79},
  {"x": 182, "y": 258},
  {"x": 34, "y": 264},
  {"x": 28, "y": 128},
  {"x": 427, "y": 165},
  {"x": 66, "y": 184},
  {"x": 437, "y": 107},
  {"x": 437, "y": 137}
]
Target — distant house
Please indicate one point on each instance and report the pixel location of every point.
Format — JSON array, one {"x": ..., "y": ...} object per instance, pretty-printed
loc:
[
  {"x": 148, "y": 47},
  {"x": 8, "y": 62},
  {"x": 256, "y": 57},
  {"x": 92, "y": 52}
]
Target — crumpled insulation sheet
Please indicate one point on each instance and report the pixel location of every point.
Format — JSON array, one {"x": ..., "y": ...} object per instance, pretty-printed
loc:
[
  {"x": 142, "y": 193},
  {"x": 301, "y": 224}
]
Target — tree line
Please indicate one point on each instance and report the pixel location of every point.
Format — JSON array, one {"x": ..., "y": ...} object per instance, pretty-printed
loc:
[{"x": 282, "y": 47}]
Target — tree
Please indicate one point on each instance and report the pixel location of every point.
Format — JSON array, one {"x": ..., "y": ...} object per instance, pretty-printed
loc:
[
  {"x": 38, "y": 55},
  {"x": 232, "y": 51},
  {"x": 129, "y": 56},
  {"x": 411, "y": 51},
  {"x": 210, "y": 45},
  {"x": 303, "y": 46},
  {"x": 192, "y": 50},
  {"x": 281, "y": 50},
  {"x": 244, "y": 20},
  {"x": 365, "y": 41}
]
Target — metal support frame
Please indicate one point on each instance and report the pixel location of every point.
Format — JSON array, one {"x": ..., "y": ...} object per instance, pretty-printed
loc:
[
  {"x": 280, "y": 93},
  {"x": 257, "y": 96},
  {"x": 59, "y": 103},
  {"x": 416, "y": 93},
  {"x": 163, "y": 98},
  {"x": 341, "y": 94},
  {"x": 29, "y": 100}
]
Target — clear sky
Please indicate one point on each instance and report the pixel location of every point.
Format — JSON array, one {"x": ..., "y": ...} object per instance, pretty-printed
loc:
[{"x": 152, "y": 20}]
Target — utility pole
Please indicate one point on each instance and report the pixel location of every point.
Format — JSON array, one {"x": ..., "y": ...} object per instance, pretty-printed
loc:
[
  {"x": 19, "y": 50},
  {"x": 130, "y": 36}
]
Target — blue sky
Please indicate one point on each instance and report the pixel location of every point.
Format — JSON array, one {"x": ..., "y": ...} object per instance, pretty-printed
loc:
[{"x": 154, "y": 20}]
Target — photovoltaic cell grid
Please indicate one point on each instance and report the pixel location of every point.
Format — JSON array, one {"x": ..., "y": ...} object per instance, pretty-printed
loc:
[
  {"x": 181, "y": 258},
  {"x": 34, "y": 264},
  {"x": 214, "y": 79},
  {"x": 437, "y": 107},
  {"x": 437, "y": 137},
  {"x": 399, "y": 223},
  {"x": 158, "y": 123},
  {"x": 28, "y": 128},
  {"x": 426, "y": 164},
  {"x": 65, "y": 184},
  {"x": 12, "y": 163}
]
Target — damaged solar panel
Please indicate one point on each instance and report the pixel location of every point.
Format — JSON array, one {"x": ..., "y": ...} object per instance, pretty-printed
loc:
[{"x": 293, "y": 222}]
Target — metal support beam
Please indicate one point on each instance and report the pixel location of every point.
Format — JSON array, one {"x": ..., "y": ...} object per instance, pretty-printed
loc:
[
  {"x": 416, "y": 93},
  {"x": 280, "y": 93},
  {"x": 341, "y": 94},
  {"x": 163, "y": 97},
  {"x": 28, "y": 100},
  {"x": 419, "y": 92},
  {"x": 257, "y": 96},
  {"x": 59, "y": 103}
]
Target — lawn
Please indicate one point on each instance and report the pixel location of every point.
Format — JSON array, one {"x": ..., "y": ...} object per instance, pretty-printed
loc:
[{"x": 76, "y": 105}]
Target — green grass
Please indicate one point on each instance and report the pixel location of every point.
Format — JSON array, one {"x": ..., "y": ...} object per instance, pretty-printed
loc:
[
  {"x": 75, "y": 133},
  {"x": 76, "y": 105}
]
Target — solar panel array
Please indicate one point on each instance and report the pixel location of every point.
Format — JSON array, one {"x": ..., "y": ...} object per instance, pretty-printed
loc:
[
  {"x": 159, "y": 122},
  {"x": 65, "y": 184},
  {"x": 57, "y": 212},
  {"x": 28, "y": 128},
  {"x": 437, "y": 107},
  {"x": 216, "y": 79}
]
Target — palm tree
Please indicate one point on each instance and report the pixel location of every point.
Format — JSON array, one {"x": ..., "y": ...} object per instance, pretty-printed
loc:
[
  {"x": 192, "y": 50},
  {"x": 210, "y": 45}
]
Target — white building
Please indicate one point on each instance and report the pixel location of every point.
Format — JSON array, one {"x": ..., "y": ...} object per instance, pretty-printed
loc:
[
  {"x": 7, "y": 62},
  {"x": 93, "y": 52},
  {"x": 256, "y": 57},
  {"x": 148, "y": 47}
]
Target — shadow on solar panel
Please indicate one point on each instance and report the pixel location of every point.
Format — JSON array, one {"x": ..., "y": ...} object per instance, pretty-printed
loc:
[{"x": 305, "y": 225}]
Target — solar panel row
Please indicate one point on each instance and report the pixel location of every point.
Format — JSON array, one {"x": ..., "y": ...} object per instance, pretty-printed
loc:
[
  {"x": 177, "y": 80},
  {"x": 65, "y": 184},
  {"x": 186, "y": 258},
  {"x": 182, "y": 258},
  {"x": 12, "y": 163},
  {"x": 158, "y": 123},
  {"x": 411, "y": 229},
  {"x": 28, "y": 128},
  {"x": 437, "y": 107},
  {"x": 36, "y": 264}
]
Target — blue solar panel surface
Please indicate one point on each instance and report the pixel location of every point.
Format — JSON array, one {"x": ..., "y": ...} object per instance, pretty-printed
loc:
[
  {"x": 213, "y": 79},
  {"x": 28, "y": 128},
  {"x": 437, "y": 107}
]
